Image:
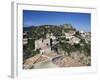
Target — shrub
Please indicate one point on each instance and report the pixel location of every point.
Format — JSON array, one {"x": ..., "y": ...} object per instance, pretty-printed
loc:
[
  {"x": 31, "y": 44},
  {"x": 34, "y": 52}
]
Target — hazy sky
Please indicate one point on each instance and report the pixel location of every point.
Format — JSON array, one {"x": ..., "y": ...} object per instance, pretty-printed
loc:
[{"x": 80, "y": 21}]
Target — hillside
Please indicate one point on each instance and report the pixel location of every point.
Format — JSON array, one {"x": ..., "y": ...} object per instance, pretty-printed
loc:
[{"x": 63, "y": 40}]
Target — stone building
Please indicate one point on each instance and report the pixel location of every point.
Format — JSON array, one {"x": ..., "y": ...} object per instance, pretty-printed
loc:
[{"x": 45, "y": 44}]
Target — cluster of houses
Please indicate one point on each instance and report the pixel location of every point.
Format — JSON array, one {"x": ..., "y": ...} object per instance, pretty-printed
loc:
[{"x": 45, "y": 45}]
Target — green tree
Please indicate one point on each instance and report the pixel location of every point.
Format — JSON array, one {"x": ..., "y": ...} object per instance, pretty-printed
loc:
[
  {"x": 31, "y": 44},
  {"x": 34, "y": 52}
]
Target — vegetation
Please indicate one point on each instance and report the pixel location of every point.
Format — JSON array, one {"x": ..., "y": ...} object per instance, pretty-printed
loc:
[
  {"x": 31, "y": 44},
  {"x": 27, "y": 54},
  {"x": 34, "y": 52}
]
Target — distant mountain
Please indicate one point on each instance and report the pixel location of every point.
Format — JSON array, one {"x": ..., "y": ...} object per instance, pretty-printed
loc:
[{"x": 29, "y": 28}]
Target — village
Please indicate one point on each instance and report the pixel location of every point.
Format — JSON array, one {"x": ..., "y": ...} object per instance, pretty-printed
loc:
[{"x": 54, "y": 51}]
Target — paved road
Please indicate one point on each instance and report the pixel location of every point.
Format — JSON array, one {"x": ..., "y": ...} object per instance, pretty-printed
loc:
[{"x": 46, "y": 64}]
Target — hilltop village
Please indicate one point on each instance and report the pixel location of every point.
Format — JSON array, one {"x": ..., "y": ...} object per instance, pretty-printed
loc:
[{"x": 51, "y": 46}]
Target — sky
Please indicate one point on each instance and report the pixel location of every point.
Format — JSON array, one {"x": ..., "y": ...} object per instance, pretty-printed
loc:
[{"x": 80, "y": 21}]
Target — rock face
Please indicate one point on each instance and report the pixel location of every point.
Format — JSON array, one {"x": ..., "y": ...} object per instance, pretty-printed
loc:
[{"x": 67, "y": 26}]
